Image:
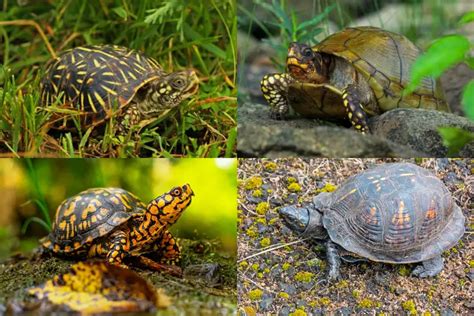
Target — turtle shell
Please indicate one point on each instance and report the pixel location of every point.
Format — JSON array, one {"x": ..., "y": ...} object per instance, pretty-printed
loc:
[
  {"x": 96, "y": 81},
  {"x": 89, "y": 215},
  {"x": 396, "y": 213},
  {"x": 384, "y": 59}
]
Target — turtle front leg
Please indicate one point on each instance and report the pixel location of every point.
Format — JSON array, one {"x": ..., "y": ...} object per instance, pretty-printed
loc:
[
  {"x": 429, "y": 268},
  {"x": 334, "y": 260},
  {"x": 118, "y": 247},
  {"x": 355, "y": 110},
  {"x": 164, "y": 255},
  {"x": 166, "y": 250},
  {"x": 128, "y": 119},
  {"x": 275, "y": 90}
]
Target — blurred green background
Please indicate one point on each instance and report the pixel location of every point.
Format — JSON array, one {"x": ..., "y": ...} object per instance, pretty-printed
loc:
[{"x": 33, "y": 188}]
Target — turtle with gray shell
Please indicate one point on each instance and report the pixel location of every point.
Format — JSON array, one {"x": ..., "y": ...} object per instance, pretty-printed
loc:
[{"x": 395, "y": 213}]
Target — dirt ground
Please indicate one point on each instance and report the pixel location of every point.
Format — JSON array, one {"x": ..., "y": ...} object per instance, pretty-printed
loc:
[
  {"x": 207, "y": 288},
  {"x": 279, "y": 273}
]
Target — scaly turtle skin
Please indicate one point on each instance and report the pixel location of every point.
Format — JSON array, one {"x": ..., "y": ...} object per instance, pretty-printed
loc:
[
  {"x": 100, "y": 82},
  {"x": 355, "y": 73},
  {"x": 395, "y": 213},
  {"x": 112, "y": 223}
]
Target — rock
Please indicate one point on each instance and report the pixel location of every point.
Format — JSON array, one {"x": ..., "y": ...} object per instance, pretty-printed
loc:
[
  {"x": 261, "y": 136},
  {"x": 266, "y": 302},
  {"x": 418, "y": 129}
]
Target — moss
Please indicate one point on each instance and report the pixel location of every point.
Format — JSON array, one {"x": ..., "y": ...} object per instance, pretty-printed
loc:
[
  {"x": 355, "y": 294},
  {"x": 253, "y": 183},
  {"x": 272, "y": 221},
  {"x": 410, "y": 307},
  {"x": 461, "y": 243},
  {"x": 286, "y": 266},
  {"x": 342, "y": 284},
  {"x": 265, "y": 242},
  {"x": 266, "y": 270},
  {"x": 262, "y": 208},
  {"x": 471, "y": 263},
  {"x": 251, "y": 232},
  {"x": 262, "y": 221},
  {"x": 257, "y": 193},
  {"x": 304, "y": 276},
  {"x": 250, "y": 311},
  {"x": 462, "y": 282},
  {"x": 328, "y": 187},
  {"x": 284, "y": 295},
  {"x": 426, "y": 314},
  {"x": 403, "y": 270},
  {"x": 270, "y": 166},
  {"x": 290, "y": 180},
  {"x": 367, "y": 303},
  {"x": 255, "y": 266},
  {"x": 255, "y": 295},
  {"x": 294, "y": 187},
  {"x": 260, "y": 275},
  {"x": 298, "y": 312},
  {"x": 324, "y": 301},
  {"x": 244, "y": 264}
]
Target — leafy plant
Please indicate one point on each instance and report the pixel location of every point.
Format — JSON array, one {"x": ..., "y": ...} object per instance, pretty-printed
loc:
[
  {"x": 291, "y": 29},
  {"x": 441, "y": 55}
]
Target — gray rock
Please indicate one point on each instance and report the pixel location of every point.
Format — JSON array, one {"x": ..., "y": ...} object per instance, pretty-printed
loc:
[
  {"x": 418, "y": 129},
  {"x": 261, "y": 136}
]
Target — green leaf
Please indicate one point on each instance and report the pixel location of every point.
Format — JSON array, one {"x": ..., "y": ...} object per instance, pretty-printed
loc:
[
  {"x": 468, "y": 100},
  {"x": 455, "y": 138},
  {"x": 441, "y": 55},
  {"x": 120, "y": 11},
  {"x": 467, "y": 18},
  {"x": 317, "y": 19}
]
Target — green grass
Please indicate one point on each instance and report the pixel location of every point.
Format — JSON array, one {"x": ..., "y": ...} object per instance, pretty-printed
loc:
[{"x": 199, "y": 35}]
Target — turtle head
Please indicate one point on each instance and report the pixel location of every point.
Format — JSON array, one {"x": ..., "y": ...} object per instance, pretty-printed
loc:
[
  {"x": 168, "y": 91},
  {"x": 166, "y": 209},
  {"x": 306, "y": 65},
  {"x": 306, "y": 220}
]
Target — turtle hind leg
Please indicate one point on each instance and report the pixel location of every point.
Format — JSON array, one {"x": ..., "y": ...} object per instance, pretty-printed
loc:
[
  {"x": 429, "y": 268},
  {"x": 354, "y": 108},
  {"x": 275, "y": 89}
]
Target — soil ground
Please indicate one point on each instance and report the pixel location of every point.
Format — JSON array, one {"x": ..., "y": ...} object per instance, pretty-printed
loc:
[{"x": 207, "y": 288}]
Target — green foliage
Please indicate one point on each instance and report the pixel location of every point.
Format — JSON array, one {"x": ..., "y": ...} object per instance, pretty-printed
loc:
[
  {"x": 455, "y": 138},
  {"x": 291, "y": 29},
  {"x": 191, "y": 34}
]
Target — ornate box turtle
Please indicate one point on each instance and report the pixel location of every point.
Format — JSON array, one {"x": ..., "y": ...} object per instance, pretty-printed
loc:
[
  {"x": 394, "y": 213},
  {"x": 112, "y": 223},
  {"x": 355, "y": 73},
  {"x": 100, "y": 82}
]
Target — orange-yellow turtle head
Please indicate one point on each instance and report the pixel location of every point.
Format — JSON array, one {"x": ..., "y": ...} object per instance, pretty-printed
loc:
[
  {"x": 168, "y": 207},
  {"x": 306, "y": 65}
]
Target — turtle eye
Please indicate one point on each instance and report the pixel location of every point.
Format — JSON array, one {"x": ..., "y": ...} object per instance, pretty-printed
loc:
[
  {"x": 178, "y": 83},
  {"x": 176, "y": 192},
  {"x": 307, "y": 52}
]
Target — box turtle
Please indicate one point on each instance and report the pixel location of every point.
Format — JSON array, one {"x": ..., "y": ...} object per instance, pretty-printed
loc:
[
  {"x": 100, "y": 82},
  {"x": 113, "y": 224},
  {"x": 355, "y": 73},
  {"x": 394, "y": 213}
]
